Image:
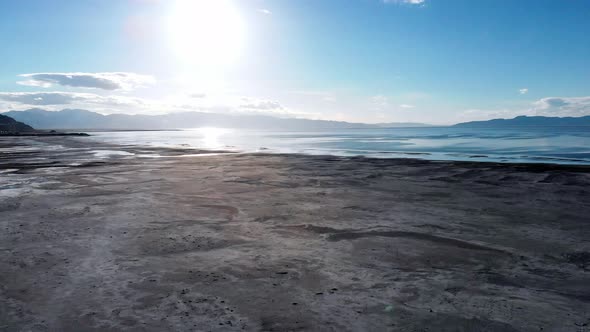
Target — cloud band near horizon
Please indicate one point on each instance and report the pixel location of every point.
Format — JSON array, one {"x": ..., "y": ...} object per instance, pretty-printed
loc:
[{"x": 105, "y": 81}]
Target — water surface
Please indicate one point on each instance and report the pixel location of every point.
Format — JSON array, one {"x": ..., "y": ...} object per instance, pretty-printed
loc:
[{"x": 565, "y": 145}]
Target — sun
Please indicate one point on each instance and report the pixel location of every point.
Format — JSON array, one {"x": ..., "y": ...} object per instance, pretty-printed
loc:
[{"x": 206, "y": 33}]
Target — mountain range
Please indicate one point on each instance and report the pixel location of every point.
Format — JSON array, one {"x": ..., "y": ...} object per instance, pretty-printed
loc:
[
  {"x": 523, "y": 121},
  {"x": 83, "y": 119}
]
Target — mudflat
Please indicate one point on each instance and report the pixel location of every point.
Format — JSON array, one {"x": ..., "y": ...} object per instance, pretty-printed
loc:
[{"x": 97, "y": 237}]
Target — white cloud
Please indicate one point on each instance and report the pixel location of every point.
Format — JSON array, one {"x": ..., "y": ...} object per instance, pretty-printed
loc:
[
  {"x": 550, "y": 106},
  {"x": 104, "y": 81},
  {"x": 264, "y": 11},
  {"x": 482, "y": 114},
  {"x": 562, "y": 106},
  {"x": 523, "y": 91},
  {"x": 228, "y": 104},
  {"x": 250, "y": 104},
  {"x": 107, "y": 104},
  {"x": 406, "y": 106},
  {"x": 90, "y": 101},
  {"x": 38, "y": 98},
  {"x": 411, "y": 2}
]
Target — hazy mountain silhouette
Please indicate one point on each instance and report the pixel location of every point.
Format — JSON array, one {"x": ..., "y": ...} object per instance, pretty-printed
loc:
[
  {"x": 520, "y": 121},
  {"x": 83, "y": 119},
  {"x": 10, "y": 125}
]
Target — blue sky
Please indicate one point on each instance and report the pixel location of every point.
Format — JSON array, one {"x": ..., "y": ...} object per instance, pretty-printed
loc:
[{"x": 435, "y": 61}]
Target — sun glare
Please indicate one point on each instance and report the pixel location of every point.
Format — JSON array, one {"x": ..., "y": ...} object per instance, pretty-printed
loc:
[
  {"x": 206, "y": 33},
  {"x": 210, "y": 136}
]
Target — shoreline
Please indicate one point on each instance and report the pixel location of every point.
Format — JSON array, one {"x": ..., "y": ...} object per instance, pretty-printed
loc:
[
  {"x": 26, "y": 134},
  {"x": 233, "y": 241},
  {"x": 445, "y": 144},
  {"x": 189, "y": 151},
  {"x": 393, "y": 154}
]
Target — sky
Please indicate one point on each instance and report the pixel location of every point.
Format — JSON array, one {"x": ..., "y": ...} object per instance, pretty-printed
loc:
[{"x": 429, "y": 61}]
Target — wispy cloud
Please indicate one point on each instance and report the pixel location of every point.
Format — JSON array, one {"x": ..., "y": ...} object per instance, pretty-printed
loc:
[
  {"x": 104, "y": 81},
  {"x": 89, "y": 101},
  {"x": 410, "y": 2},
  {"x": 379, "y": 101},
  {"x": 264, "y": 11},
  {"x": 486, "y": 114},
  {"x": 57, "y": 100},
  {"x": 250, "y": 104},
  {"x": 523, "y": 91},
  {"x": 38, "y": 98},
  {"x": 227, "y": 104}
]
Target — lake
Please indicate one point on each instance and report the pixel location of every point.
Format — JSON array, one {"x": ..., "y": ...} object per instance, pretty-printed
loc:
[{"x": 564, "y": 145}]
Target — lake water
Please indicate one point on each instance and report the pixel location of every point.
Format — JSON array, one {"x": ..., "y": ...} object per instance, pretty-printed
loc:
[{"x": 567, "y": 145}]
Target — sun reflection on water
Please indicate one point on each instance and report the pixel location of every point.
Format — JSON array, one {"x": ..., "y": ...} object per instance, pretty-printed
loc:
[{"x": 210, "y": 137}]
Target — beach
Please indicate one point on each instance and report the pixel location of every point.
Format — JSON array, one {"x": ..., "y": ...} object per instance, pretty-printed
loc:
[{"x": 101, "y": 237}]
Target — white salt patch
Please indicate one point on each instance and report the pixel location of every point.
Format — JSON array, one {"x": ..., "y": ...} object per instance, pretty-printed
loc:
[
  {"x": 202, "y": 154},
  {"x": 13, "y": 192},
  {"x": 108, "y": 153},
  {"x": 149, "y": 156}
]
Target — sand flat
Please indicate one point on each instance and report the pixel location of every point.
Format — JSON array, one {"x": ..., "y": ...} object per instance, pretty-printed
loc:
[{"x": 224, "y": 242}]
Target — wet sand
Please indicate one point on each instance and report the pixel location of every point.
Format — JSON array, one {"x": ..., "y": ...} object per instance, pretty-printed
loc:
[{"x": 96, "y": 237}]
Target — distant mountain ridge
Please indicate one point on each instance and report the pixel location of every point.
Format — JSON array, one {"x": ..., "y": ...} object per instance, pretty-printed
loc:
[
  {"x": 10, "y": 125},
  {"x": 402, "y": 125},
  {"x": 528, "y": 121},
  {"x": 83, "y": 119}
]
